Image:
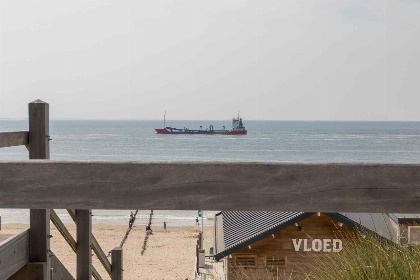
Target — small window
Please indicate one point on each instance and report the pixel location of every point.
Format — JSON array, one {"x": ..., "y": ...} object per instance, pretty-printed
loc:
[
  {"x": 275, "y": 261},
  {"x": 246, "y": 260},
  {"x": 414, "y": 235}
]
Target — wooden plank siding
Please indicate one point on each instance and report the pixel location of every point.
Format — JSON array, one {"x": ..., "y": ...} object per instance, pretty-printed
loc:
[
  {"x": 9, "y": 139},
  {"x": 332, "y": 187},
  {"x": 281, "y": 246},
  {"x": 14, "y": 254}
]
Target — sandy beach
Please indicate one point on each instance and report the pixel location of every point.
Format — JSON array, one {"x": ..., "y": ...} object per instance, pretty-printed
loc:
[{"x": 169, "y": 254}]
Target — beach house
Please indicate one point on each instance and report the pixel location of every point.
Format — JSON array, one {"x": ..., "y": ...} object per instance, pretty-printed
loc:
[
  {"x": 409, "y": 228},
  {"x": 279, "y": 243}
]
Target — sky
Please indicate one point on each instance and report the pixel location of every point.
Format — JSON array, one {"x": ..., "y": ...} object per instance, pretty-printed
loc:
[{"x": 205, "y": 60}]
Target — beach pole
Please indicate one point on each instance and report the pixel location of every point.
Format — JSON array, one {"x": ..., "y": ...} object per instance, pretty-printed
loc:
[
  {"x": 39, "y": 148},
  {"x": 117, "y": 263},
  {"x": 84, "y": 244}
]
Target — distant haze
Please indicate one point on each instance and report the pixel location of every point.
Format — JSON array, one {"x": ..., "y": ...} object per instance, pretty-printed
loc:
[{"x": 272, "y": 60}]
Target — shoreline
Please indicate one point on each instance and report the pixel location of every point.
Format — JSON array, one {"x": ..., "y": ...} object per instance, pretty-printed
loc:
[{"x": 117, "y": 217}]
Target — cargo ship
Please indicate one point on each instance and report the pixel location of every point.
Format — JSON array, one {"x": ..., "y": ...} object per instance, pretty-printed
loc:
[{"x": 237, "y": 129}]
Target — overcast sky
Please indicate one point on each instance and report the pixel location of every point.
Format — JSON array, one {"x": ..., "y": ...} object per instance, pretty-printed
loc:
[{"x": 272, "y": 60}]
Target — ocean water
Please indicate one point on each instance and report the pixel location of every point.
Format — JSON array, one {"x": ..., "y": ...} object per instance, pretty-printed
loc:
[{"x": 287, "y": 141}]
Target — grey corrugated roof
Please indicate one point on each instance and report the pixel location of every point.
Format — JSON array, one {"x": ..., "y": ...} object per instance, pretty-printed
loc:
[
  {"x": 379, "y": 223},
  {"x": 239, "y": 226},
  {"x": 242, "y": 228}
]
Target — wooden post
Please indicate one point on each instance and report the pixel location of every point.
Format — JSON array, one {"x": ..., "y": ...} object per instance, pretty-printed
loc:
[
  {"x": 39, "y": 148},
  {"x": 200, "y": 240},
  {"x": 197, "y": 256},
  {"x": 39, "y": 130},
  {"x": 84, "y": 244},
  {"x": 117, "y": 263}
]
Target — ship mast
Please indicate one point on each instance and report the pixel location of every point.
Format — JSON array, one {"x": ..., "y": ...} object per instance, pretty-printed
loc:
[{"x": 164, "y": 120}]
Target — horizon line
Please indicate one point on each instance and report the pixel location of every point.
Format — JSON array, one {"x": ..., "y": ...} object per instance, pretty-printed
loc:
[{"x": 269, "y": 120}]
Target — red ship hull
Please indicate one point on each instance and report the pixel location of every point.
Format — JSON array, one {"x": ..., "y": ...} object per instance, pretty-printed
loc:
[{"x": 228, "y": 132}]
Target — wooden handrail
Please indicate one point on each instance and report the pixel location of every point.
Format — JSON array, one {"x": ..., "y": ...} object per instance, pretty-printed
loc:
[
  {"x": 316, "y": 187},
  {"x": 9, "y": 139},
  {"x": 14, "y": 254}
]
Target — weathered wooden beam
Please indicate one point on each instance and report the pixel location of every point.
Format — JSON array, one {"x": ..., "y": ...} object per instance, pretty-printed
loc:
[
  {"x": 39, "y": 234},
  {"x": 39, "y": 240},
  {"x": 14, "y": 254},
  {"x": 84, "y": 244},
  {"x": 9, "y": 139},
  {"x": 63, "y": 230},
  {"x": 96, "y": 248},
  {"x": 101, "y": 255},
  {"x": 39, "y": 130},
  {"x": 58, "y": 270},
  {"x": 96, "y": 274},
  {"x": 117, "y": 263},
  {"x": 72, "y": 214},
  {"x": 317, "y": 187}
]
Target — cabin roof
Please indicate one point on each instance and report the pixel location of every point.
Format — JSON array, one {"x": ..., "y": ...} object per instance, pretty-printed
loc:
[
  {"x": 238, "y": 229},
  {"x": 405, "y": 218}
]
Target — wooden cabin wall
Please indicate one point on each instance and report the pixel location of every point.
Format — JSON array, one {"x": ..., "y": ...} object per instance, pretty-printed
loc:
[
  {"x": 313, "y": 227},
  {"x": 404, "y": 232}
]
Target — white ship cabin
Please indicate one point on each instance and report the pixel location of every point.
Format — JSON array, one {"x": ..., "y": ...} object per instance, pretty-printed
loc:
[{"x": 237, "y": 124}]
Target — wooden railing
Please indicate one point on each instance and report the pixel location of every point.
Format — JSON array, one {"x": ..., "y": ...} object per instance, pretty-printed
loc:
[
  {"x": 42, "y": 185},
  {"x": 14, "y": 254},
  {"x": 97, "y": 249},
  {"x": 9, "y": 139},
  {"x": 28, "y": 255},
  {"x": 331, "y": 187}
]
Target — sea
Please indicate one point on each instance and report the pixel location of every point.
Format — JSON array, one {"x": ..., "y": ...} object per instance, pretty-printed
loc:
[{"x": 267, "y": 141}]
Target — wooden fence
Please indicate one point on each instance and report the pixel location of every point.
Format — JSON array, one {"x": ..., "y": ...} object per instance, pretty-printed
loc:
[
  {"x": 43, "y": 185},
  {"x": 27, "y": 255}
]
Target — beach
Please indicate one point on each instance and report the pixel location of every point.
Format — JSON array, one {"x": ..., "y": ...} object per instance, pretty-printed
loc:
[{"x": 169, "y": 254}]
